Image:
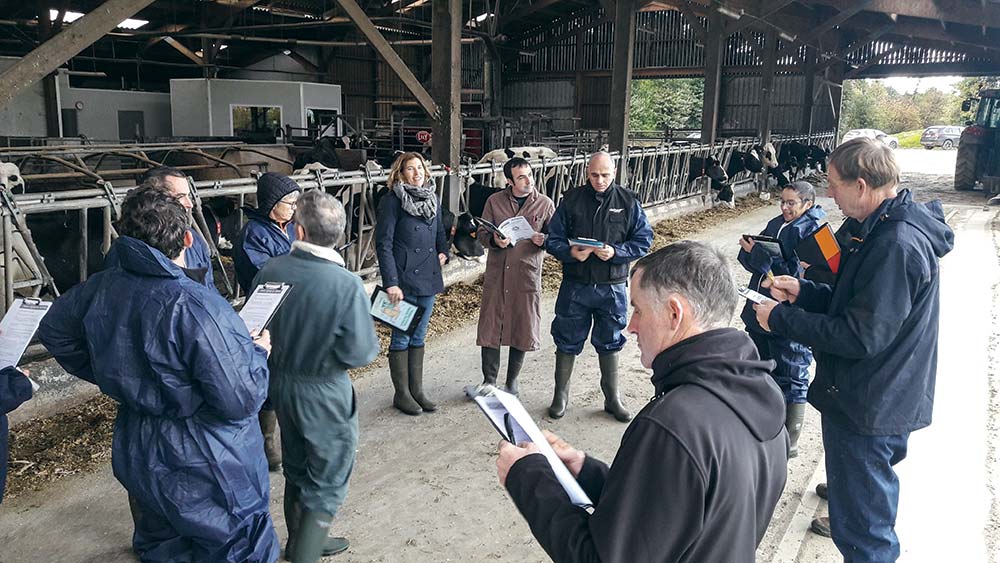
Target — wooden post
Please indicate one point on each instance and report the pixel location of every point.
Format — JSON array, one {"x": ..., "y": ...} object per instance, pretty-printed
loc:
[
  {"x": 621, "y": 75},
  {"x": 767, "y": 84},
  {"x": 446, "y": 84},
  {"x": 715, "y": 38},
  {"x": 808, "y": 91}
]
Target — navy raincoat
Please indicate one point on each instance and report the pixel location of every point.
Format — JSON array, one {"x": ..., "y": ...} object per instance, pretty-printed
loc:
[
  {"x": 198, "y": 259},
  {"x": 260, "y": 240},
  {"x": 189, "y": 382},
  {"x": 875, "y": 332},
  {"x": 14, "y": 390}
]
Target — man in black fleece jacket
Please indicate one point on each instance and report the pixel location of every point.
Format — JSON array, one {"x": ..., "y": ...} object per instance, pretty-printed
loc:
[{"x": 700, "y": 469}]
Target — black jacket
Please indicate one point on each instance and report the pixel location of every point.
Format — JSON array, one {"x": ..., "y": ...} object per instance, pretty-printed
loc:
[
  {"x": 614, "y": 217},
  {"x": 875, "y": 332},
  {"x": 408, "y": 248},
  {"x": 698, "y": 473}
]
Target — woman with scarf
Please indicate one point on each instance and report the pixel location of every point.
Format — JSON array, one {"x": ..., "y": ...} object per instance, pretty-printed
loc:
[{"x": 412, "y": 248}]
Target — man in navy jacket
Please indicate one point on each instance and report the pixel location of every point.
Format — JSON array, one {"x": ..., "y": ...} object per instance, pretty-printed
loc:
[{"x": 874, "y": 334}]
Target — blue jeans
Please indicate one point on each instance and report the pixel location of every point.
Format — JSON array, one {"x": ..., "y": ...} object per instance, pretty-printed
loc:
[
  {"x": 581, "y": 305},
  {"x": 791, "y": 371},
  {"x": 864, "y": 492},
  {"x": 400, "y": 340}
]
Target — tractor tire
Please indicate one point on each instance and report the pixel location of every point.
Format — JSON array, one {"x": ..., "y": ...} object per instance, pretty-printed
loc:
[{"x": 965, "y": 168}]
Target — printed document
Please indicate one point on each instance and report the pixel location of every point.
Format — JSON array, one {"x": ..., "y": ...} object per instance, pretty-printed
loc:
[
  {"x": 516, "y": 426},
  {"x": 17, "y": 328},
  {"x": 516, "y": 229},
  {"x": 262, "y": 304}
]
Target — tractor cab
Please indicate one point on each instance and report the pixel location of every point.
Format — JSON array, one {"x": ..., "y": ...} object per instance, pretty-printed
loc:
[{"x": 978, "y": 150}]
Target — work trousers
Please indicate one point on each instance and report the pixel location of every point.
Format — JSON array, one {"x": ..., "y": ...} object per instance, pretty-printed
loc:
[{"x": 582, "y": 306}]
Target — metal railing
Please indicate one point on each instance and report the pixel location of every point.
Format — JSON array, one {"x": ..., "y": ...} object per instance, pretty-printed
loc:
[{"x": 657, "y": 174}]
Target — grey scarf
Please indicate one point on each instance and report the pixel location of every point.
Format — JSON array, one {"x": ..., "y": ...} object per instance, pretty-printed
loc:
[{"x": 419, "y": 201}]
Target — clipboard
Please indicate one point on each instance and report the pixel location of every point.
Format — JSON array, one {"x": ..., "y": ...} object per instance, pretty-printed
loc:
[
  {"x": 504, "y": 410},
  {"x": 403, "y": 316},
  {"x": 18, "y": 326},
  {"x": 820, "y": 250},
  {"x": 771, "y": 245},
  {"x": 263, "y": 303}
]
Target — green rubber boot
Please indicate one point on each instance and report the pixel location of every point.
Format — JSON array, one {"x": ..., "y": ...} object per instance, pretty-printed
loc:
[
  {"x": 514, "y": 362},
  {"x": 560, "y": 397},
  {"x": 399, "y": 371},
  {"x": 311, "y": 541}
]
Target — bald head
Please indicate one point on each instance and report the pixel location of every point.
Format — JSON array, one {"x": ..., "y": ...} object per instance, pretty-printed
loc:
[{"x": 600, "y": 171}]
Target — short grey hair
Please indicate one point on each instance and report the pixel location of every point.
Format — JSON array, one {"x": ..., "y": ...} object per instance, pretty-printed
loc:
[
  {"x": 322, "y": 217},
  {"x": 868, "y": 159},
  {"x": 698, "y": 272},
  {"x": 803, "y": 189}
]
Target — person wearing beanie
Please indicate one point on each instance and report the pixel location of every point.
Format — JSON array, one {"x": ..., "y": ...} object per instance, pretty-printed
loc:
[{"x": 269, "y": 232}]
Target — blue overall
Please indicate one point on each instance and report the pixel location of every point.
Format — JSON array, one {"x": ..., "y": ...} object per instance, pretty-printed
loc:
[
  {"x": 594, "y": 293},
  {"x": 791, "y": 359},
  {"x": 189, "y": 382}
]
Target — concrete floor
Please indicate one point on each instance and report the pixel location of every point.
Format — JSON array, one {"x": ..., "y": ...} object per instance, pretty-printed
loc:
[{"x": 425, "y": 488}]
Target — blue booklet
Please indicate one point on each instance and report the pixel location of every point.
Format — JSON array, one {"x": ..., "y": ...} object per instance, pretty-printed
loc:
[{"x": 583, "y": 241}]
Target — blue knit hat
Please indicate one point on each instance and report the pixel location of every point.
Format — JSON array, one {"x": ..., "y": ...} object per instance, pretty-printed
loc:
[{"x": 272, "y": 188}]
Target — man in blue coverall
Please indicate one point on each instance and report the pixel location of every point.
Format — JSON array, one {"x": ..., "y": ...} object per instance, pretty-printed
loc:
[
  {"x": 594, "y": 288},
  {"x": 198, "y": 257},
  {"x": 189, "y": 382}
]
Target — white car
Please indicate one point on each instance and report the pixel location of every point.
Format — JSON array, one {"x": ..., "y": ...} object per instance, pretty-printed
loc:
[{"x": 890, "y": 140}]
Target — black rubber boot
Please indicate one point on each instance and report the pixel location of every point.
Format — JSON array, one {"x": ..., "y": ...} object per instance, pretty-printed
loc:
[
  {"x": 311, "y": 541},
  {"x": 609, "y": 384},
  {"x": 399, "y": 371},
  {"x": 514, "y": 362},
  {"x": 293, "y": 514},
  {"x": 794, "y": 414},
  {"x": 491, "y": 365},
  {"x": 416, "y": 365},
  {"x": 272, "y": 447},
  {"x": 821, "y": 527},
  {"x": 560, "y": 398}
]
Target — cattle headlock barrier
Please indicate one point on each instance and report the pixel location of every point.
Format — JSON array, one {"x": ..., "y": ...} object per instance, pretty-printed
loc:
[{"x": 659, "y": 175}]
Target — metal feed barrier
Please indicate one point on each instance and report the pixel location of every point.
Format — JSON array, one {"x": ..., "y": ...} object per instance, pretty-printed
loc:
[{"x": 657, "y": 174}]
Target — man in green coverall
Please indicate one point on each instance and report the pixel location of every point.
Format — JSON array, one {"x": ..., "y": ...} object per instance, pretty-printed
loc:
[{"x": 322, "y": 329}]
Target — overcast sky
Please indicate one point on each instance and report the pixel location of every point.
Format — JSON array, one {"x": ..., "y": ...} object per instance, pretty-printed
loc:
[{"x": 907, "y": 84}]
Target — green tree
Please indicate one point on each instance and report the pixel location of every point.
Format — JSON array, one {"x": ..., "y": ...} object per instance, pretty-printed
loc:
[
  {"x": 968, "y": 88},
  {"x": 666, "y": 103}
]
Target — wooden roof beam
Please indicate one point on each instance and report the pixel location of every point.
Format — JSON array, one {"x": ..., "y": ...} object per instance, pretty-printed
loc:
[
  {"x": 845, "y": 14},
  {"x": 951, "y": 11},
  {"x": 390, "y": 56},
  {"x": 182, "y": 49}
]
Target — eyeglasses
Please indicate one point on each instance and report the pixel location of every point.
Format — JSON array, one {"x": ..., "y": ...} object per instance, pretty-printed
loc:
[
  {"x": 790, "y": 202},
  {"x": 290, "y": 204}
]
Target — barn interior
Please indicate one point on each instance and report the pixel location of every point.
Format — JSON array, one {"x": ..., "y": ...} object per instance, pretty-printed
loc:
[{"x": 97, "y": 92}]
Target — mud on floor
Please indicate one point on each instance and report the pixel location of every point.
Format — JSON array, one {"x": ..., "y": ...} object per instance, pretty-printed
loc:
[{"x": 79, "y": 439}]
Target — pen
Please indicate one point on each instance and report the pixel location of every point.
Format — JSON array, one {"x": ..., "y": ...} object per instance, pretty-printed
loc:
[
  {"x": 770, "y": 276},
  {"x": 509, "y": 427}
]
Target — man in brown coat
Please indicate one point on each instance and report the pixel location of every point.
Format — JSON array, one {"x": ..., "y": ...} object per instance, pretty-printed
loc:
[{"x": 510, "y": 312}]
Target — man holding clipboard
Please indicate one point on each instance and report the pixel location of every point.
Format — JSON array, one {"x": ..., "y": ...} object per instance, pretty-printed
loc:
[{"x": 322, "y": 329}]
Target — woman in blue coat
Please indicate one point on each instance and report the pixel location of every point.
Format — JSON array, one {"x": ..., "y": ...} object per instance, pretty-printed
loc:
[
  {"x": 412, "y": 248},
  {"x": 15, "y": 388},
  {"x": 799, "y": 218},
  {"x": 269, "y": 232},
  {"x": 189, "y": 382}
]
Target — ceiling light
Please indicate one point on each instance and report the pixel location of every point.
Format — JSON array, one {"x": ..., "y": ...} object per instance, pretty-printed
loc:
[
  {"x": 131, "y": 23},
  {"x": 70, "y": 17}
]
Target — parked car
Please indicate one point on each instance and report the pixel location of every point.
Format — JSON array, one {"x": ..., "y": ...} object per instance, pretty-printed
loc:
[
  {"x": 890, "y": 140},
  {"x": 944, "y": 136}
]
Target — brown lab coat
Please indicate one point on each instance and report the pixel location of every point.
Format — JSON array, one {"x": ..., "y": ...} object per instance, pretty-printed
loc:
[{"x": 510, "y": 312}]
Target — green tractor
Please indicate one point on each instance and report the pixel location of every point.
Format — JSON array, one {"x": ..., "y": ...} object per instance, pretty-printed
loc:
[{"x": 978, "y": 158}]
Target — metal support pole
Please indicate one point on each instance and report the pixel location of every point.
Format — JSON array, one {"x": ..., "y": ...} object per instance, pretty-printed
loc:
[
  {"x": 8, "y": 260},
  {"x": 83, "y": 245},
  {"x": 808, "y": 91}
]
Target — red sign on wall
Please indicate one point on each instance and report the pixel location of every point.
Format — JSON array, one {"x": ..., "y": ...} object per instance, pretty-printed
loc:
[{"x": 424, "y": 136}]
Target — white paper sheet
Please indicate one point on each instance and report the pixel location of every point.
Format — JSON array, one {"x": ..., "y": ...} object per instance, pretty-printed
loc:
[
  {"x": 499, "y": 403},
  {"x": 17, "y": 328},
  {"x": 262, "y": 304},
  {"x": 516, "y": 229}
]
